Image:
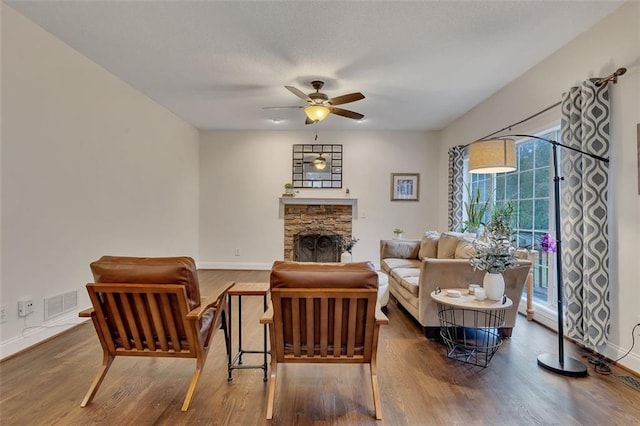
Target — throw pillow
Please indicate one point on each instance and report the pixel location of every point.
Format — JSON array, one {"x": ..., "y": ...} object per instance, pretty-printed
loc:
[
  {"x": 465, "y": 250},
  {"x": 429, "y": 245},
  {"x": 447, "y": 245}
]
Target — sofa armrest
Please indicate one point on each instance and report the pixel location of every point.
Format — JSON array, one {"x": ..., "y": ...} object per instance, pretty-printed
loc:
[{"x": 399, "y": 249}]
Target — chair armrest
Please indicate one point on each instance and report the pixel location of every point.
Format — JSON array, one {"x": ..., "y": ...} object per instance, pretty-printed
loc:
[
  {"x": 209, "y": 302},
  {"x": 267, "y": 317},
  {"x": 87, "y": 313},
  {"x": 381, "y": 318}
]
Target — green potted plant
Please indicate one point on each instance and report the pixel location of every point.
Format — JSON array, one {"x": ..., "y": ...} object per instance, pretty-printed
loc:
[
  {"x": 476, "y": 210},
  {"x": 288, "y": 188},
  {"x": 398, "y": 233},
  {"x": 498, "y": 253}
]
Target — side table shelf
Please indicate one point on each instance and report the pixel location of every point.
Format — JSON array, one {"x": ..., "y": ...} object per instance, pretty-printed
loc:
[{"x": 470, "y": 328}]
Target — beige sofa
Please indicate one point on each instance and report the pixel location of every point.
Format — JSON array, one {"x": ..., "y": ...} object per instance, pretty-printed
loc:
[{"x": 416, "y": 267}]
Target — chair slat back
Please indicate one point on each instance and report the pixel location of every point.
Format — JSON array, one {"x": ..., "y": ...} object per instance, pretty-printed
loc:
[
  {"x": 144, "y": 319},
  {"x": 323, "y": 324}
]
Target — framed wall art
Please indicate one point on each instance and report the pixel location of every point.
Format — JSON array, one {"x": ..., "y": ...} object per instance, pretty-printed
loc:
[{"x": 405, "y": 186}]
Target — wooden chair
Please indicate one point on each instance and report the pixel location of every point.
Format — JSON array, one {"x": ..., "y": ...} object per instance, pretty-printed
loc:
[
  {"x": 151, "y": 307},
  {"x": 324, "y": 313}
]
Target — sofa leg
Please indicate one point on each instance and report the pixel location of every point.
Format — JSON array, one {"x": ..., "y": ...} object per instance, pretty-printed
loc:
[
  {"x": 506, "y": 331},
  {"x": 432, "y": 333}
]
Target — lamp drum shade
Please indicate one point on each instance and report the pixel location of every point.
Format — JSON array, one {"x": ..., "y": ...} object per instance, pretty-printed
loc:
[
  {"x": 492, "y": 156},
  {"x": 316, "y": 112}
]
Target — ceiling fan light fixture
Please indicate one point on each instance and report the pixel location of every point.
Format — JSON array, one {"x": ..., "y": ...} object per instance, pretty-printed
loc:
[{"x": 316, "y": 112}]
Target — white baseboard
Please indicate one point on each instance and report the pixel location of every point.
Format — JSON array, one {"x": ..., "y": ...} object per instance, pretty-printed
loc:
[
  {"x": 234, "y": 265},
  {"x": 39, "y": 333}
]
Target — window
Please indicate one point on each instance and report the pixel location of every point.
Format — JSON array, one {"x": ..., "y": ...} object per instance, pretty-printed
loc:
[{"x": 529, "y": 188}]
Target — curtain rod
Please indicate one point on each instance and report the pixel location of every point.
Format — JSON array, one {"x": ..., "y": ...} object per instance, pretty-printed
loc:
[{"x": 598, "y": 81}]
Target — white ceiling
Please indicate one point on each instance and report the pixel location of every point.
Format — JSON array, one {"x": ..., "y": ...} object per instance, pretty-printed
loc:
[{"x": 420, "y": 64}]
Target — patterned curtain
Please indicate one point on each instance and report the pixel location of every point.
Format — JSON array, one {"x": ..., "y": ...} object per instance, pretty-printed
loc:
[
  {"x": 585, "y": 125},
  {"x": 456, "y": 187}
]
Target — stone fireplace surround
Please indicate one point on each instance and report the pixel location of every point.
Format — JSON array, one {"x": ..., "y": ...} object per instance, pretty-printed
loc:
[{"x": 323, "y": 216}]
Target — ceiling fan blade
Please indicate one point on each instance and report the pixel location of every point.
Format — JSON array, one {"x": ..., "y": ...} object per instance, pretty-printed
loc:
[
  {"x": 283, "y": 107},
  {"x": 345, "y": 99},
  {"x": 346, "y": 113},
  {"x": 299, "y": 93}
]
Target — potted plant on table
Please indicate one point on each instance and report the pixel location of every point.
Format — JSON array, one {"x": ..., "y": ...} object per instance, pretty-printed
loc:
[
  {"x": 398, "y": 233},
  {"x": 498, "y": 253},
  {"x": 288, "y": 189}
]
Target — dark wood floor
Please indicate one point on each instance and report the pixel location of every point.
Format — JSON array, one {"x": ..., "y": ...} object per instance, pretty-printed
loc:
[{"x": 419, "y": 385}]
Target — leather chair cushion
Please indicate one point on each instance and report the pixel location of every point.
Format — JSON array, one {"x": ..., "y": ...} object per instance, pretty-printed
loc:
[
  {"x": 323, "y": 275},
  {"x": 150, "y": 270}
]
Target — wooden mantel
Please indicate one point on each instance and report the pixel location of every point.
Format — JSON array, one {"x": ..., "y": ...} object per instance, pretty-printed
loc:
[{"x": 353, "y": 202}]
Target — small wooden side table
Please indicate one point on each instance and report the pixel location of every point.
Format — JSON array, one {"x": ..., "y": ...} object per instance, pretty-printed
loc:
[{"x": 239, "y": 290}]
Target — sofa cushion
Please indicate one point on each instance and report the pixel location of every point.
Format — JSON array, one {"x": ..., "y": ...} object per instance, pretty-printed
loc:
[
  {"x": 401, "y": 249},
  {"x": 429, "y": 245},
  {"x": 410, "y": 284},
  {"x": 389, "y": 265},
  {"x": 408, "y": 278}
]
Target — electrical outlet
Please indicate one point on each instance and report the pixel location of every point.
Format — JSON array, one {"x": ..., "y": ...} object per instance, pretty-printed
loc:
[
  {"x": 3, "y": 314},
  {"x": 237, "y": 252},
  {"x": 25, "y": 307}
]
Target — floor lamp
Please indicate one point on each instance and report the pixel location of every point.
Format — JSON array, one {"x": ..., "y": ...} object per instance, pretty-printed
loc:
[{"x": 497, "y": 155}]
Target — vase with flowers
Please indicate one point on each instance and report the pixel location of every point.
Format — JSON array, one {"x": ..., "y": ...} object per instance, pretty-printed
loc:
[
  {"x": 497, "y": 254},
  {"x": 346, "y": 246}
]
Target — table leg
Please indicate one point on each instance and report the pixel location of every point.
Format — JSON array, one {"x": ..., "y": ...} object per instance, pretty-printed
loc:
[
  {"x": 239, "y": 329},
  {"x": 230, "y": 360}
]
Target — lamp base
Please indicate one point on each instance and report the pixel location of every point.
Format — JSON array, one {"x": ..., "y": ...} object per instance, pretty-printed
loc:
[{"x": 571, "y": 367}]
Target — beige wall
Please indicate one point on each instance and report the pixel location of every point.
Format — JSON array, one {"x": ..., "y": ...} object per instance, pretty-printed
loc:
[
  {"x": 612, "y": 43},
  {"x": 89, "y": 166},
  {"x": 242, "y": 174}
]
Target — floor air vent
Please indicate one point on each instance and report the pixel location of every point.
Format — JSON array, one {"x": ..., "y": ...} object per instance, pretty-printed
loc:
[
  {"x": 631, "y": 381},
  {"x": 59, "y": 304}
]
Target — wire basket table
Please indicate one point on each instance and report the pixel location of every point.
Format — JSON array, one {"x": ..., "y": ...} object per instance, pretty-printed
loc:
[{"x": 470, "y": 328}]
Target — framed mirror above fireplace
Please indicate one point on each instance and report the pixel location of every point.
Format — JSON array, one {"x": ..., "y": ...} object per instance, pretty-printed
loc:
[{"x": 317, "y": 166}]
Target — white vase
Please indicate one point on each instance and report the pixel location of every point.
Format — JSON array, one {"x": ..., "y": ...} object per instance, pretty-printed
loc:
[
  {"x": 493, "y": 285},
  {"x": 345, "y": 257}
]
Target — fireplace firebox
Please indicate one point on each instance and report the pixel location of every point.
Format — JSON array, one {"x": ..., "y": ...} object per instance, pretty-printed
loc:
[{"x": 316, "y": 248}]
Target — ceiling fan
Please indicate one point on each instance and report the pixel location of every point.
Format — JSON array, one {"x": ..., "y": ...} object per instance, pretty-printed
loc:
[{"x": 319, "y": 105}]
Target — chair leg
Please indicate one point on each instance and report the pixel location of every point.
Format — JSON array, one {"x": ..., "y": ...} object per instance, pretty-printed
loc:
[
  {"x": 192, "y": 385},
  {"x": 106, "y": 363},
  {"x": 376, "y": 393},
  {"x": 272, "y": 390},
  {"x": 225, "y": 327}
]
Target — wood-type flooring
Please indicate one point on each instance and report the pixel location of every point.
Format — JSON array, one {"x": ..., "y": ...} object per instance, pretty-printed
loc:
[{"x": 419, "y": 385}]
